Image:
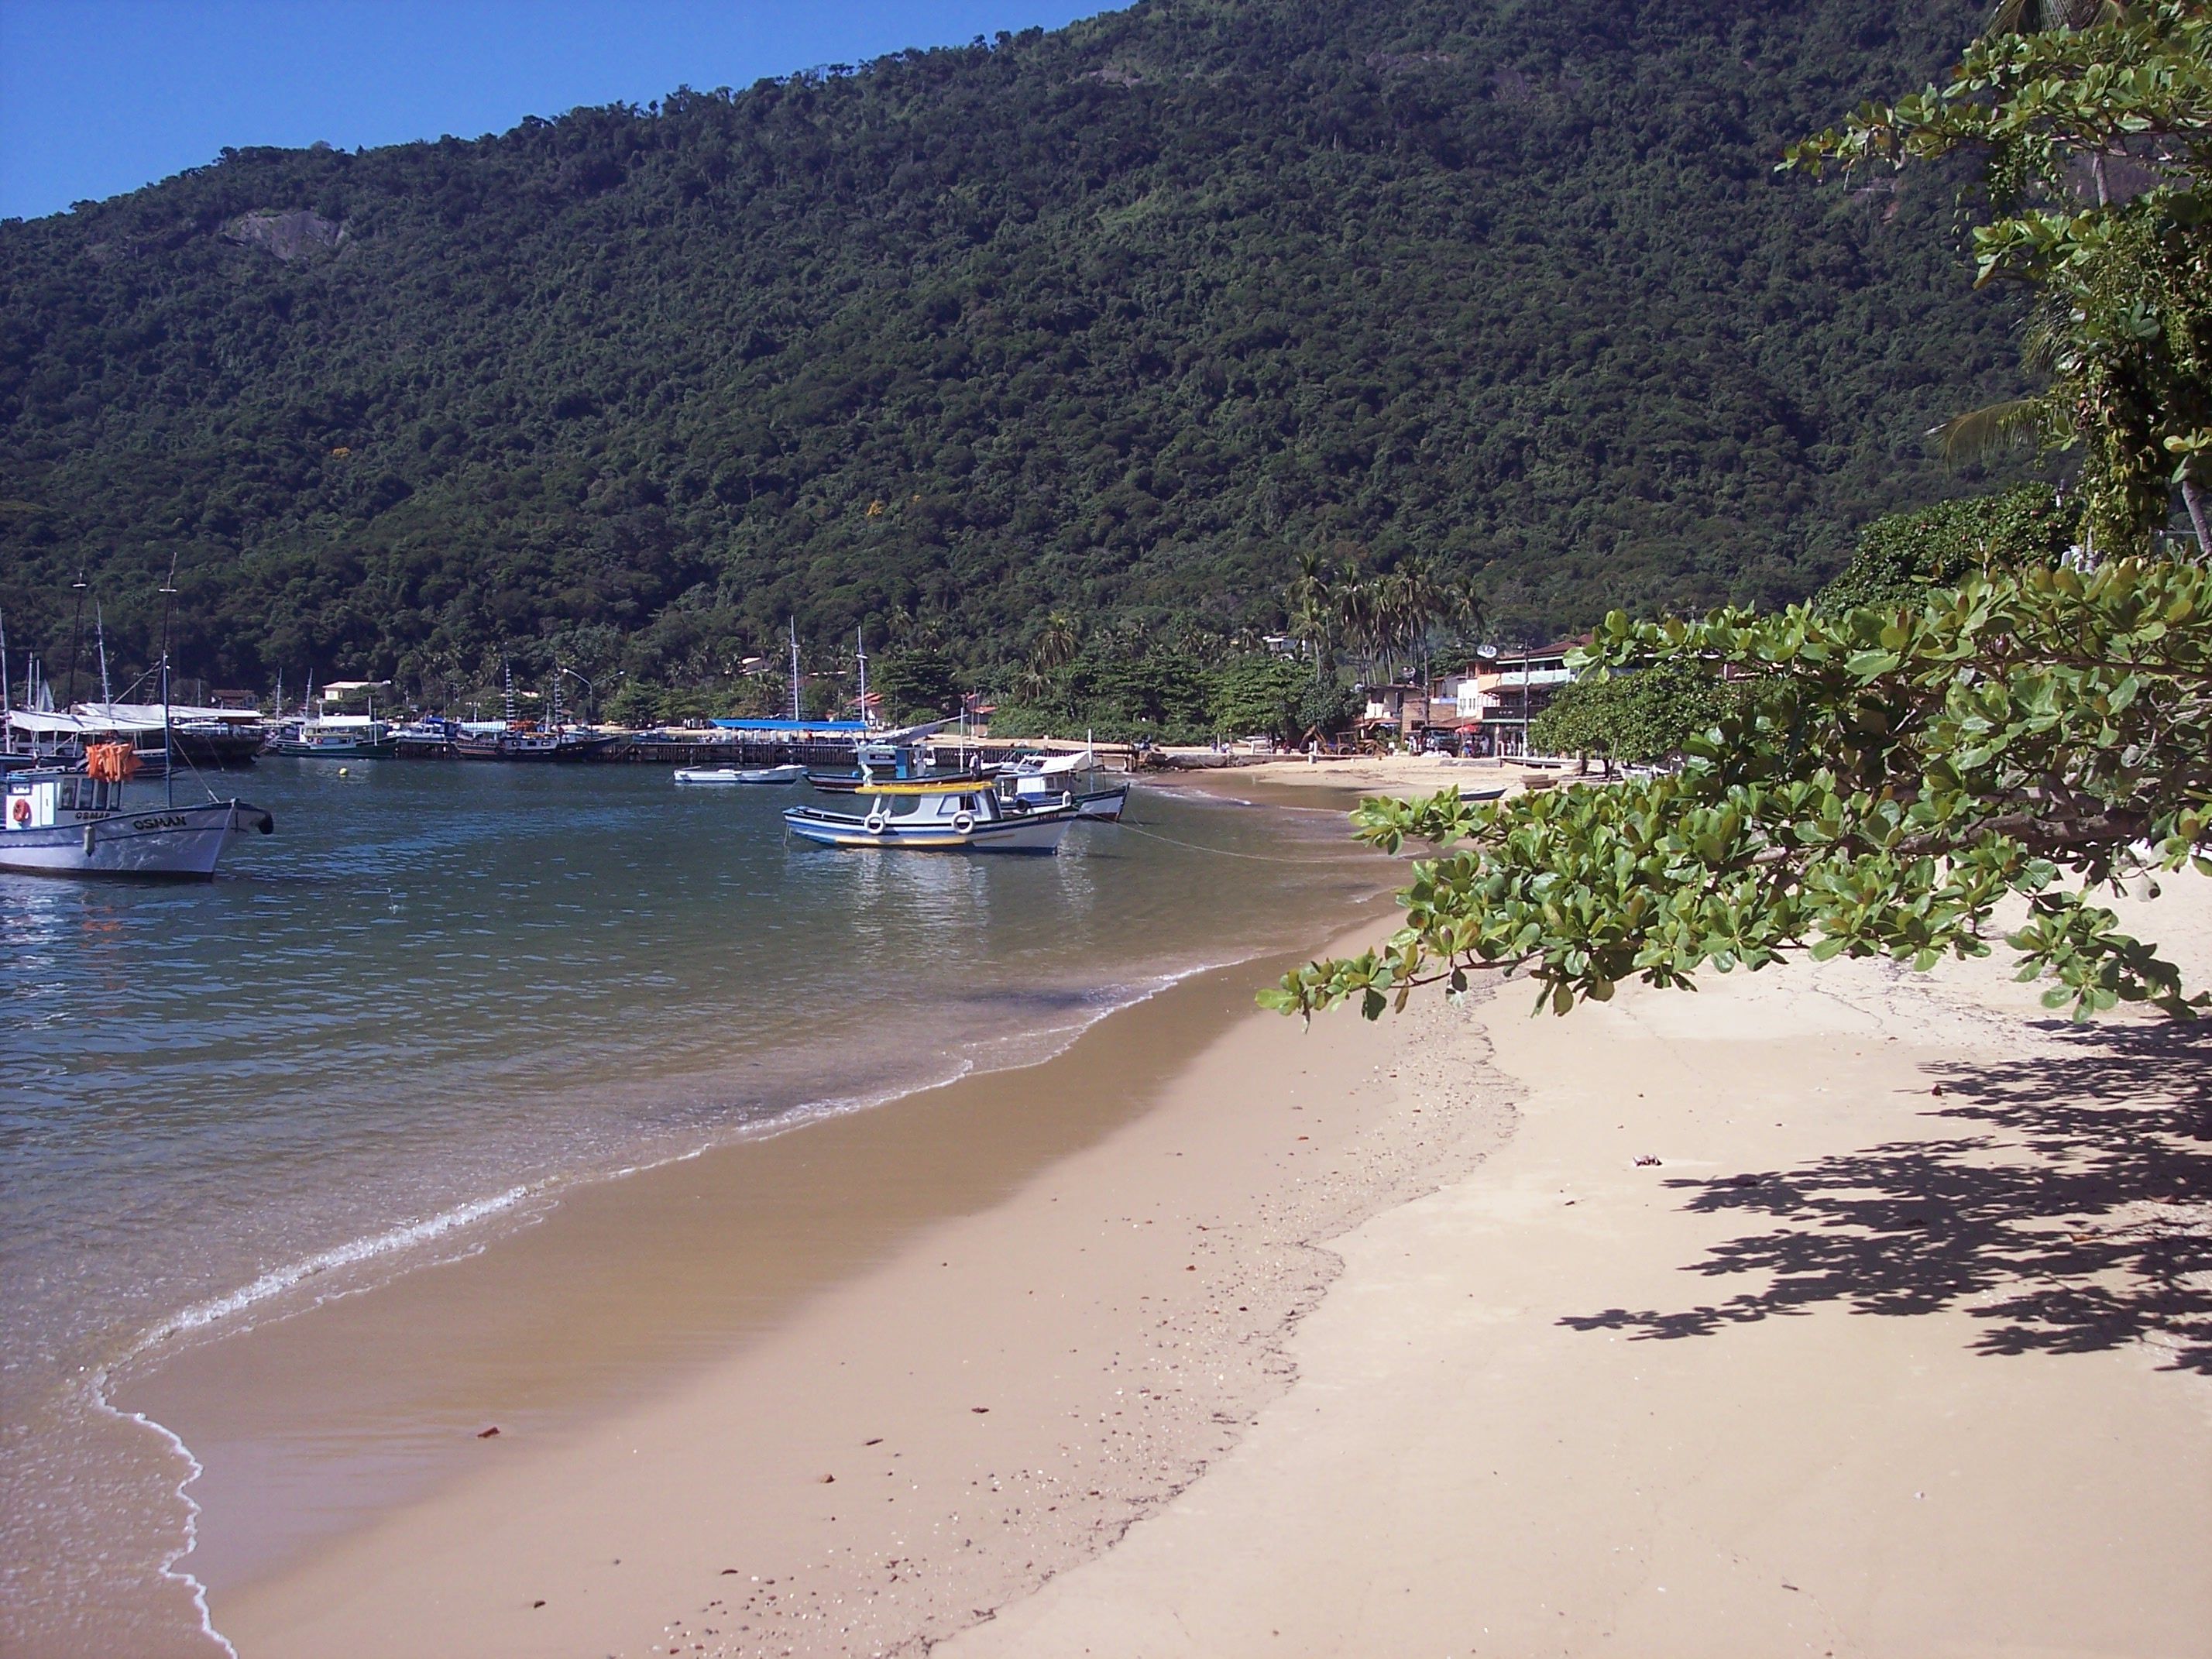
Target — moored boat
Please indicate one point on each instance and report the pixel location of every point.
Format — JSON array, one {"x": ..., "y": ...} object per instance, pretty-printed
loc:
[
  {"x": 523, "y": 743},
  {"x": 790, "y": 774},
  {"x": 338, "y": 736},
  {"x": 67, "y": 822},
  {"x": 1071, "y": 781},
  {"x": 950, "y": 815}
]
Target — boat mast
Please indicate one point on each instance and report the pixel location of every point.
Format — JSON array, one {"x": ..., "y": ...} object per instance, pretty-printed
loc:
[
  {"x": 860, "y": 657},
  {"x": 507, "y": 691},
  {"x": 77, "y": 634},
  {"x": 796, "y": 715},
  {"x": 169, "y": 759},
  {"x": 99, "y": 632}
]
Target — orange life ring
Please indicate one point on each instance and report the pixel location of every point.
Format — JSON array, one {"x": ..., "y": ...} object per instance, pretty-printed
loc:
[{"x": 22, "y": 809}]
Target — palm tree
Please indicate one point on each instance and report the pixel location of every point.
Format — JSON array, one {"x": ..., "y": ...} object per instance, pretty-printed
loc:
[
  {"x": 1357, "y": 618},
  {"x": 1425, "y": 601},
  {"x": 1057, "y": 644}
]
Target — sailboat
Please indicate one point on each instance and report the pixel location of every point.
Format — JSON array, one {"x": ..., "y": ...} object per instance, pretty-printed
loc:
[{"x": 516, "y": 740}]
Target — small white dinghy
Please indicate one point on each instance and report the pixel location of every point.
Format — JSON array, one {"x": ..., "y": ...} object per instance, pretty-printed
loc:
[{"x": 791, "y": 774}]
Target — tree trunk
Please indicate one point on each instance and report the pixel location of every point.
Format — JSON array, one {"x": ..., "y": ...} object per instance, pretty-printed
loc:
[{"x": 2193, "y": 499}]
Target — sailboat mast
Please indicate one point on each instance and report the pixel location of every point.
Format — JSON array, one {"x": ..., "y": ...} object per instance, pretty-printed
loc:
[
  {"x": 796, "y": 715},
  {"x": 100, "y": 632},
  {"x": 76, "y": 637},
  {"x": 860, "y": 655},
  {"x": 168, "y": 758}
]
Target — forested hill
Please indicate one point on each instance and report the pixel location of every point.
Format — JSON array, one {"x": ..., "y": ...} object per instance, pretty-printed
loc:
[{"x": 1116, "y": 318}]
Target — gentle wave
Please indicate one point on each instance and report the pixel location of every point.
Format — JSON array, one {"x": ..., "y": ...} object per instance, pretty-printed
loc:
[{"x": 203, "y": 1314}]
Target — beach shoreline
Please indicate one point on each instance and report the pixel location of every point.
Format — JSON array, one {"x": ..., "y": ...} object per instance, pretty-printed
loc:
[
  {"x": 1767, "y": 1319},
  {"x": 392, "y": 1586}
]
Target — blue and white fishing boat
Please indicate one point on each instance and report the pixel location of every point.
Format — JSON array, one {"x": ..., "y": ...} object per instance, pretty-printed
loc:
[{"x": 936, "y": 815}]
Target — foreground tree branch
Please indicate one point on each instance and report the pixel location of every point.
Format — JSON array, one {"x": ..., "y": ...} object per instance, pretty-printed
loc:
[{"x": 1885, "y": 781}]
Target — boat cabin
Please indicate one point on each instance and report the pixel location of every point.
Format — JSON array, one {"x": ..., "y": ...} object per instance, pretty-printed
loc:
[{"x": 39, "y": 800}]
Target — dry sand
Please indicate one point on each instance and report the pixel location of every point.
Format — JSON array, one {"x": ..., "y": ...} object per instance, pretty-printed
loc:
[
  {"x": 1899, "y": 1343},
  {"x": 1403, "y": 775},
  {"x": 1853, "y": 1367}
]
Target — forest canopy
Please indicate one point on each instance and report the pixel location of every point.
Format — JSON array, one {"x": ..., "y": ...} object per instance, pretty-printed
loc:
[{"x": 1115, "y": 321}]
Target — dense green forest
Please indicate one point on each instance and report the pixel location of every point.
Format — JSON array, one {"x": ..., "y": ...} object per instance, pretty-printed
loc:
[{"x": 1116, "y": 321}]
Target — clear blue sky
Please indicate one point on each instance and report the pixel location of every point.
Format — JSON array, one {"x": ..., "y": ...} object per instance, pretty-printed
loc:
[{"x": 101, "y": 96}]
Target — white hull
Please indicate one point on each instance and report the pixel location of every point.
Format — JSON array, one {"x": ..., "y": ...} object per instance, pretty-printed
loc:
[
  {"x": 1102, "y": 805},
  {"x": 160, "y": 840},
  {"x": 741, "y": 774}
]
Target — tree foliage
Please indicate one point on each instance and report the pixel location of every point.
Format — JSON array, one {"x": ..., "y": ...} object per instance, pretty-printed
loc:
[
  {"x": 1892, "y": 777},
  {"x": 1901, "y": 555},
  {"x": 1113, "y": 320},
  {"x": 2121, "y": 264},
  {"x": 1896, "y": 771},
  {"x": 1633, "y": 718}
]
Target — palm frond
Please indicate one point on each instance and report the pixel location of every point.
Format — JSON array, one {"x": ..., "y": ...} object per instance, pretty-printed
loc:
[{"x": 2016, "y": 423}]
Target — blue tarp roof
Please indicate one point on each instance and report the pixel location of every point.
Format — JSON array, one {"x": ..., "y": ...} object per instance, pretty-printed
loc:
[{"x": 792, "y": 726}]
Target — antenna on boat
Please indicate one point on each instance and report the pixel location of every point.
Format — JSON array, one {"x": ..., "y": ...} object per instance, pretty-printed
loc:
[
  {"x": 796, "y": 715},
  {"x": 168, "y": 758}
]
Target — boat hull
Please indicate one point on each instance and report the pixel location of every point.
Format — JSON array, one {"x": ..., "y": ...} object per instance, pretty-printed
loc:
[
  {"x": 1030, "y": 833},
  {"x": 335, "y": 750},
  {"x": 530, "y": 749},
  {"x": 181, "y": 842},
  {"x": 791, "y": 774}
]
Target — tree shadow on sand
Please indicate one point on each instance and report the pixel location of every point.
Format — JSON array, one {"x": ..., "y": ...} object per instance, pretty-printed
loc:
[{"x": 2078, "y": 1218}]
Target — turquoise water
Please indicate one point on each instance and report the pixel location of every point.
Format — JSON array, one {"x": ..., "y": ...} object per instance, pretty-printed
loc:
[{"x": 441, "y": 995}]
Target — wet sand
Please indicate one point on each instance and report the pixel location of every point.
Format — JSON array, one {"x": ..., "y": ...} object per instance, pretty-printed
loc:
[{"x": 1103, "y": 1251}]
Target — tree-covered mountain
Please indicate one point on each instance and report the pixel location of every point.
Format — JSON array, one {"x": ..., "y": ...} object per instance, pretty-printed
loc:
[{"x": 1115, "y": 320}]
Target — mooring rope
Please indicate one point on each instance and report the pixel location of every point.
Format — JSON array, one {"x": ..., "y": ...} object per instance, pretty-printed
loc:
[{"x": 1225, "y": 852}]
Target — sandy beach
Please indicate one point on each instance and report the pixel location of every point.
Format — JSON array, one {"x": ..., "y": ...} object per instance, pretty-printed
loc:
[
  {"x": 1834, "y": 1310},
  {"x": 1353, "y": 775}
]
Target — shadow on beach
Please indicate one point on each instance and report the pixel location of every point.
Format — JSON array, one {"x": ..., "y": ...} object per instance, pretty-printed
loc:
[{"x": 2077, "y": 1217}]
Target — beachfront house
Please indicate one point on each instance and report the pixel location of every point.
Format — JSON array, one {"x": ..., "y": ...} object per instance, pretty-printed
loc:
[{"x": 1396, "y": 711}]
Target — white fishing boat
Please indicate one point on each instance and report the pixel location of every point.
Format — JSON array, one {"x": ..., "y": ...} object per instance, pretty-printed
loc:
[
  {"x": 944, "y": 815},
  {"x": 791, "y": 774},
  {"x": 1070, "y": 781},
  {"x": 64, "y": 822},
  {"x": 72, "y": 818}
]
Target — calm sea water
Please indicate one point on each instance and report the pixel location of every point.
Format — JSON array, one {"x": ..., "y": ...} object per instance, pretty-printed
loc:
[{"x": 444, "y": 993}]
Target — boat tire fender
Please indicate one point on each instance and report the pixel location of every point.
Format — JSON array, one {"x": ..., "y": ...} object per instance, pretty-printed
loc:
[
  {"x": 964, "y": 822},
  {"x": 876, "y": 823}
]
